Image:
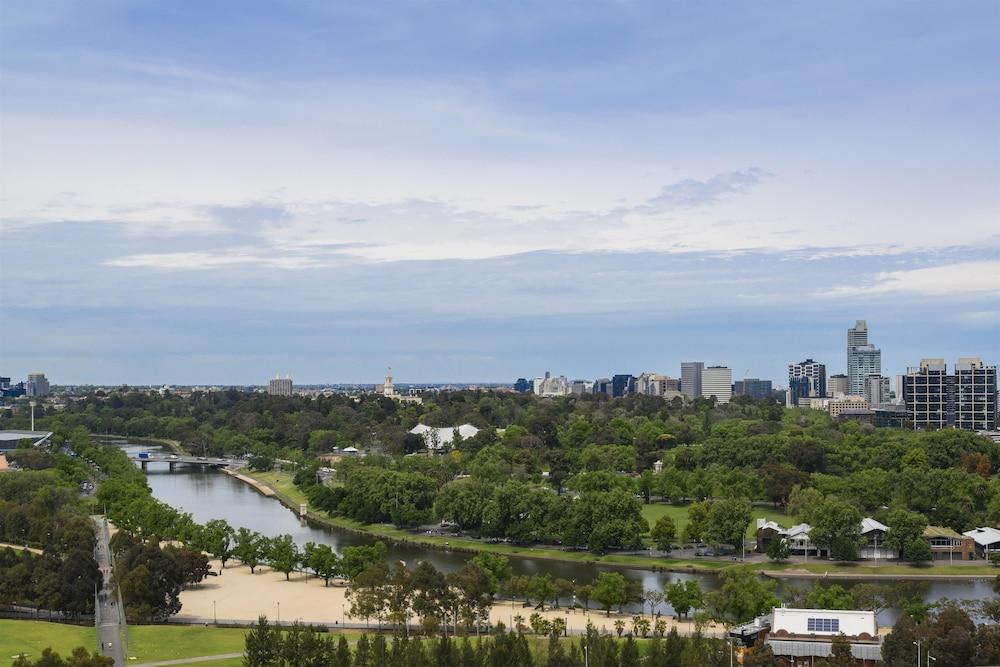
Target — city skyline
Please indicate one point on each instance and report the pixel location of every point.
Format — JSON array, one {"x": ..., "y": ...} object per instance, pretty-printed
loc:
[{"x": 474, "y": 194}]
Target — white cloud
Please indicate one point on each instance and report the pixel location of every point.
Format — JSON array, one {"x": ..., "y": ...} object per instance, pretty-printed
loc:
[
  {"x": 980, "y": 277},
  {"x": 210, "y": 260}
]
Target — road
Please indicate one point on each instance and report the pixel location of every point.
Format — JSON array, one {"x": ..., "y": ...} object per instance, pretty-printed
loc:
[{"x": 108, "y": 619}]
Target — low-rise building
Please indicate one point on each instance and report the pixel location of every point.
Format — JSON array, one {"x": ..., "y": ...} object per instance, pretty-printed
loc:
[
  {"x": 987, "y": 541},
  {"x": 799, "y": 636},
  {"x": 947, "y": 544},
  {"x": 873, "y": 533}
]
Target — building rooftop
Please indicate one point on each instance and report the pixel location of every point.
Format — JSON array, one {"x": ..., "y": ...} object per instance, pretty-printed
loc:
[
  {"x": 941, "y": 531},
  {"x": 984, "y": 536}
]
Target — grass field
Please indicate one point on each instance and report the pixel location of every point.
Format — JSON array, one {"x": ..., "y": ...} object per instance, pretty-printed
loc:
[
  {"x": 280, "y": 482},
  {"x": 679, "y": 513},
  {"x": 149, "y": 643},
  {"x": 31, "y": 637}
]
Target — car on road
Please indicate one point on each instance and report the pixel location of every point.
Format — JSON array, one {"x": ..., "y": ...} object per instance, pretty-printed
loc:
[{"x": 174, "y": 457}]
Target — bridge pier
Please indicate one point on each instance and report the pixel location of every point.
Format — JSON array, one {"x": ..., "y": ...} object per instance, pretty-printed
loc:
[
  {"x": 172, "y": 465},
  {"x": 144, "y": 465}
]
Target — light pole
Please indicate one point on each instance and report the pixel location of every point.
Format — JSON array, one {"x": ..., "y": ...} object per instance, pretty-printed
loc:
[
  {"x": 929, "y": 658},
  {"x": 215, "y": 616},
  {"x": 586, "y": 656},
  {"x": 32, "y": 404},
  {"x": 279, "y": 613},
  {"x": 917, "y": 644}
]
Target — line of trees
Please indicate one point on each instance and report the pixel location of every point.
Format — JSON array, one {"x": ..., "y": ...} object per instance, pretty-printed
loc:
[{"x": 267, "y": 646}]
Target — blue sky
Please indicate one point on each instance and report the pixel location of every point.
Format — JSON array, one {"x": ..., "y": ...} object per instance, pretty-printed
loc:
[{"x": 215, "y": 192}]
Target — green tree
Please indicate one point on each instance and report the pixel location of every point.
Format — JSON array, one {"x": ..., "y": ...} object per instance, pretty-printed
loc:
[
  {"x": 217, "y": 538},
  {"x": 497, "y": 566},
  {"x": 778, "y": 549},
  {"x": 742, "y": 596},
  {"x": 684, "y": 596},
  {"x": 664, "y": 533},
  {"x": 697, "y": 524},
  {"x": 323, "y": 560},
  {"x": 840, "y": 653},
  {"x": 262, "y": 645},
  {"x": 250, "y": 548},
  {"x": 829, "y": 597},
  {"x": 609, "y": 590},
  {"x": 727, "y": 521},
  {"x": 283, "y": 554},
  {"x": 919, "y": 550},
  {"x": 904, "y": 528},
  {"x": 837, "y": 528}
]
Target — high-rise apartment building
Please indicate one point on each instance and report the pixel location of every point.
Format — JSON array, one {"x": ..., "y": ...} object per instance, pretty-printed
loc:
[
  {"x": 280, "y": 386},
  {"x": 863, "y": 359},
  {"x": 877, "y": 390},
  {"x": 975, "y": 395},
  {"x": 813, "y": 371},
  {"x": 691, "y": 378},
  {"x": 967, "y": 399},
  {"x": 37, "y": 384},
  {"x": 717, "y": 381},
  {"x": 837, "y": 385}
]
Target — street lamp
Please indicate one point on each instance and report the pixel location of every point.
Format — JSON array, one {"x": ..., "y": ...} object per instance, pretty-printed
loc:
[
  {"x": 917, "y": 644},
  {"x": 929, "y": 658},
  {"x": 279, "y": 613},
  {"x": 32, "y": 404},
  {"x": 215, "y": 616}
]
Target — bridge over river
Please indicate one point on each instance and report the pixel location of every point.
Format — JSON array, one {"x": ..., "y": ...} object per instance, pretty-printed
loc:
[{"x": 174, "y": 459}]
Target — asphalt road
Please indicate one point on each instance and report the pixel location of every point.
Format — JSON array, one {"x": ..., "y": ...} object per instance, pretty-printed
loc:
[{"x": 108, "y": 617}]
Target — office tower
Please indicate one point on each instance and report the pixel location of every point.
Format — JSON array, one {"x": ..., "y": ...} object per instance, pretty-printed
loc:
[
  {"x": 837, "y": 385},
  {"x": 975, "y": 395},
  {"x": 876, "y": 390},
  {"x": 717, "y": 381},
  {"x": 280, "y": 386},
  {"x": 691, "y": 376},
  {"x": 579, "y": 387},
  {"x": 929, "y": 392},
  {"x": 863, "y": 359},
  {"x": 37, "y": 384},
  {"x": 551, "y": 386},
  {"x": 753, "y": 387},
  {"x": 813, "y": 371},
  {"x": 622, "y": 384},
  {"x": 602, "y": 386},
  {"x": 798, "y": 389}
]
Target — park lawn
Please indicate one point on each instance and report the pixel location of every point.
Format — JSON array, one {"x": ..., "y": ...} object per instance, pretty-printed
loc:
[
  {"x": 281, "y": 482},
  {"x": 31, "y": 637},
  {"x": 679, "y": 513},
  {"x": 152, "y": 643}
]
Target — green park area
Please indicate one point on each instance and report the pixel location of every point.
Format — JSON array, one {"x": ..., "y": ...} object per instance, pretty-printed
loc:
[
  {"x": 32, "y": 637},
  {"x": 679, "y": 513}
]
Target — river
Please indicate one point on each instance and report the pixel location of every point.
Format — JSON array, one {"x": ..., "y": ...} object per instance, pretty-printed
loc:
[{"x": 209, "y": 494}]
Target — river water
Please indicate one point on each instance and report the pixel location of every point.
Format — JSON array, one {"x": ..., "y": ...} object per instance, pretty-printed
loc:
[{"x": 209, "y": 494}]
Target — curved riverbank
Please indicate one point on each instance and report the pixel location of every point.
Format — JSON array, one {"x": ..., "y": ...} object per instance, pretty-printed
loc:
[{"x": 786, "y": 570}]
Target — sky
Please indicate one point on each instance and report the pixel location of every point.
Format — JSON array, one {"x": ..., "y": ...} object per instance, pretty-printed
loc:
[{"x": 216, "y": 192}]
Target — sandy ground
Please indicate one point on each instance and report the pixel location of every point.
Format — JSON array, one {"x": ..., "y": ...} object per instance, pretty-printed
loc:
[{"x": 237, "y": 595}]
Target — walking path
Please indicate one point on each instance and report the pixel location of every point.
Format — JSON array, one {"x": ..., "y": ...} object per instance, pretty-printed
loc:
[{"x": 109, "y": 619}]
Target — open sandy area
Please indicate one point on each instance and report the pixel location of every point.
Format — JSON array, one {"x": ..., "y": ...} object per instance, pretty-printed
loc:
[{"x": 239, "y": 596}]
